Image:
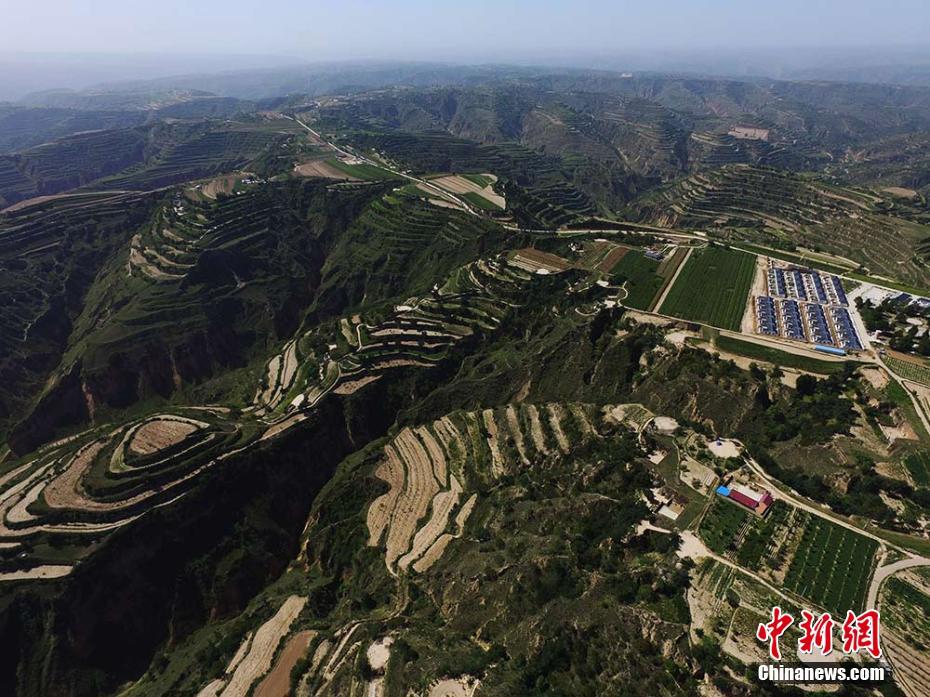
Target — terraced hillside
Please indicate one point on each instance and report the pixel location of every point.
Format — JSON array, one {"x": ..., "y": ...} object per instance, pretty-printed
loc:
[
  {"x": 23, "y": 127},
  {"x": 49, "y": 257},
  {"x": 202, "y": 149},
  {"x": 79, "y": 489},
  {"x": 784, "y": 209},
  {"x": 545, "y": 194},
  {"x": 277, "y": 421},
  {"x": 442, "y": 504},
  {"x": 142, "y": 158},
  {"x": 186, "y": 296},
  {"x": 419, "y": 333}
]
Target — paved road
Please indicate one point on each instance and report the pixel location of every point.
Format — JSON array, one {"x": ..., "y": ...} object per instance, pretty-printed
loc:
[
  {"x": 890, "y": 570},
  {"x": 437, "y": 191}
]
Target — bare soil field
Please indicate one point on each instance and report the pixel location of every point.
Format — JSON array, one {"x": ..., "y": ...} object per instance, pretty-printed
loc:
[
  {"x": 612, "y": 258},
  {"x": 278, "y": 682},
  {"x": 460, "y": 185},
  {"x": 257, "y": 661},
  {"x": 322, "y": 169},
  {"x": 38, "y": 572},
  {"x": 391, "y": 471},
  {"x": 352, "y": 386},
  {"x": 159, "y": 434},
  {"x": 876, "y": 377},
  {"x": 900, "y": 192},
  {"x": 514, "y": 425},
  {"x": 460, "y": 687},
  {"x": 220, "y": 185},
  {"x": 533, "y": 260},
  {"x": 442, "y": 506}
]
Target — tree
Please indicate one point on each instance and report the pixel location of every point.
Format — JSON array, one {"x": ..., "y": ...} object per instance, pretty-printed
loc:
[{"x": 806, "y": 385}]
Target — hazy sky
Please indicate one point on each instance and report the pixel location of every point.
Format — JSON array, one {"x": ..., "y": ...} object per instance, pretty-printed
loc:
[{"x": 468, "y": 30}]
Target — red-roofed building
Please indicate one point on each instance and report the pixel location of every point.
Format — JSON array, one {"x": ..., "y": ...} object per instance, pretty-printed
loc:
[{"x": 743, "y": 499}]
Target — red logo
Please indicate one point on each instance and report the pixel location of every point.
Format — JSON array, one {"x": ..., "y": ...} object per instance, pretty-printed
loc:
[
  {"x": 860, "y": 632},
  {"x": 818, "y": 633},
  {"x": 771, "y": 631}
]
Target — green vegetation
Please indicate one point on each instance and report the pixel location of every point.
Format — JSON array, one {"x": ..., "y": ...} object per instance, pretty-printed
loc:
[
  {"x": 918, "y": 464},
  {"x": 793, "y": 258},
  {"x": 479, "y": 201},
  {"x": 712, "y": 288},
  {"x": 759, "y": 538},
  {"x": 909, "y": 370},
  {"x": 545, "y": 197},
  {"x": 480, "y": 179},
  {"x": 779, "y": 208},
  {"x": 639, "y": 274},
  {"x": 722, "y": 524},
  {"x": 759, "y": 352},
  {"x": 832, "y": 566},
  {"x": 188, "y": 151}
]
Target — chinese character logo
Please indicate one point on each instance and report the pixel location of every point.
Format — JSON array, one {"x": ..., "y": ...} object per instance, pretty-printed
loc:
[
  {"x": 817, "y": 633},
  {"x": 860, "y": 632},
  {"x": 772, "y": 631}
]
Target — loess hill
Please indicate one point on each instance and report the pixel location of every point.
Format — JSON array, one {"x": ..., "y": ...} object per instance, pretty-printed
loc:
[{"x": 280, "y": 414}]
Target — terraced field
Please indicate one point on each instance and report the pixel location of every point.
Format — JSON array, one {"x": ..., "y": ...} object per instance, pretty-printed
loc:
[
  {"x": 545, "y": 195},
  {"x": 89, "y": 485},
  {"x": 775, "y": 206},
  {"x": 49, "y": 255},
  {"x": 723, "y": 525},
  {"x": 915, "y": 370},
  {"x": 202, "y": 151},
  {"x": 905, "y": 605},
  {"x": 734, "y": 532},
  {"x": 428, "y": 470},
  {"x": 712, "y": 288},
  {"x": 419, "y": 333}
]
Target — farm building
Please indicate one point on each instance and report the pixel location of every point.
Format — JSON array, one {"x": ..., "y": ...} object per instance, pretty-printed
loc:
[{"x": 757, "y": 501}]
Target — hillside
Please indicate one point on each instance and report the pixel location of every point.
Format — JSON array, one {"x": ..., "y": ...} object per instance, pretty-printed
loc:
[{"x": 481, "y": 382}]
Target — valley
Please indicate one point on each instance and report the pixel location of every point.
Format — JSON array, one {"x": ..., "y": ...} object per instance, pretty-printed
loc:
[{"x": 447, "y": 390}]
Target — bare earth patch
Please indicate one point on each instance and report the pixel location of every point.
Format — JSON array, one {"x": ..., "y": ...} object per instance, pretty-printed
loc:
[
  {"x": 460, "y": 185},
  {"x": 278, "y": 682},
  {"x": 264, "y": 645},
  {"x": 322, "y": 169},
  {"x": 159, "y": 434}
]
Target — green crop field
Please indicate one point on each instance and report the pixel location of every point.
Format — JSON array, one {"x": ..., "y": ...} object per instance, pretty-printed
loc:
[
  {"x": 712, "y": 288},
  {"x": 479, "y": 201},
  {"x": 721, "y": 524},
  {"x": 832, "y": 566},
  {"x": 642, "y": 279},
  {"x": 479, "y": 179},
  {"x": 918, "y": 464},
  {"x": 753, "y": 549},
  {"x": 909, "y": 370},
  {"x": 773, "y": 355}
]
